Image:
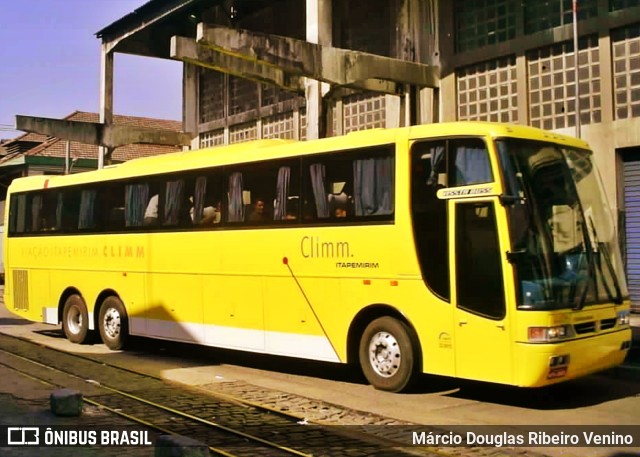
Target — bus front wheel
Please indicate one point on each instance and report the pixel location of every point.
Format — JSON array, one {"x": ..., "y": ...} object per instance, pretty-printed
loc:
[
  {"x": 113, "y": 323},
  {"x": 75, "y": 319},
  {"x": 387, "y": 354}
]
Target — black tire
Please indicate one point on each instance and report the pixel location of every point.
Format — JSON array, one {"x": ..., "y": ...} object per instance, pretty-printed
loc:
[
  {"x": 75, "y": 319},
  {"x": 113, "y": 323},
  {"x": 388, "y": 355}
]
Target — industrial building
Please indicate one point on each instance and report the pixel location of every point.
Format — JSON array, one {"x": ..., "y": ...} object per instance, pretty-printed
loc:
[{"x": 304, "y": 69}]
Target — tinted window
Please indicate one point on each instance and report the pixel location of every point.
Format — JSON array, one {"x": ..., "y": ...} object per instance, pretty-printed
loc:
[
  {"x": 354, "y": 185},
  {"x": 478, "y": 264}
]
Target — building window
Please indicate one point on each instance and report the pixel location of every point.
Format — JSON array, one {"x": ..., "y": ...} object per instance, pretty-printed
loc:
[
  {"x": 554, "y": 13},
  {"x": 363, "y": 111},
  {"x": 488, "y": 91},
  {"x": 303, "y": 124},
  {"x": 243, "y": 95},
  {"x": 278, "y": 126},
  {"x": 615, "y": 5},
  {"x": 484, "y": 22},
  {"x": 211, "y": 95},
  {"x": 364, "y": 25},
  {"x": 552, "y": 88},
  {"x": 272, "y": 95},
  {"x": 626, "y": 71},
  {"x": 243, "y": 132},
  {"x": 212, "y": 138}
]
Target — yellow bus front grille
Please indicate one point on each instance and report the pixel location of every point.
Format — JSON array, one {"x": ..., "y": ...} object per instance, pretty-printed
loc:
[{"x": 21, "y": 289}]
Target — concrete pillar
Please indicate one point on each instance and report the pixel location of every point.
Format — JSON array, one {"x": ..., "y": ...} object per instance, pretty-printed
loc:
[
  {"x": 447, "y": 103},
  {"x": 190, "y": 98},
  {"x": 319, "y": 31},
  {"x": 106, "y": 98}
]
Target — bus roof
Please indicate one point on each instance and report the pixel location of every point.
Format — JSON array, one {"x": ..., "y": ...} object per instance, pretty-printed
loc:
[{"x": 277, "y": 148}]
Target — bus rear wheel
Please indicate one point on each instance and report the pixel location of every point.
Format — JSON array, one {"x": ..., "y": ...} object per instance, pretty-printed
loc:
[
  {"x": 387, "y": 354},
  {"x": 113, "y": 323},
  {"x": 75, "y": 319}
]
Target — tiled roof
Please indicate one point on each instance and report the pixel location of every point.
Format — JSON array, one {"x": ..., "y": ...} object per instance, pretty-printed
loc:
[{"x": 55, "y": 147}]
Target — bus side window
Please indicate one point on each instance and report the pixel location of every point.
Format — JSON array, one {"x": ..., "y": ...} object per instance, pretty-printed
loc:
[
  {"x": 51, "y": 204},
  {"x": 206, "y": 200},
  {"x": 285, "y": 205},
  {"x": 138, "y": 203},
  {"x": 70, "y": 209},
  {"x": 110, "y": 199},
  {"x": 34, "y": 212},
  {"x": 329, "y": 188},
  {"x": 175, "y": 205},
  {"x": 18, "y": 214},
  {"x": 350, "y": 184},
  {"x": 478, "y": 261},
  {"x": 429, "y": 213},
  {"x": 87, "y": 214},
  {"x": 235, "y": 198},
  {"x": 469, "y": 162}
]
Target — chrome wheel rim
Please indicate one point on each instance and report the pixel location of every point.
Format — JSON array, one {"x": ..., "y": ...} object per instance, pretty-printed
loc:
[
  {"x": 111, "y": 323},
  {"x": 384, "y": 354},
  {"x": 74, "y": 320}
]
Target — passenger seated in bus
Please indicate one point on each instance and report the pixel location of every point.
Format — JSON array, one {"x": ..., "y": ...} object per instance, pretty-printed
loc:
[
  {"x": 211, "y": 214},
  {"x": 291, "y": 215},
  {"x": 151, "y": 213},
  {"x": 338, "y": 204},
  {"x": 258, "y": 213}
]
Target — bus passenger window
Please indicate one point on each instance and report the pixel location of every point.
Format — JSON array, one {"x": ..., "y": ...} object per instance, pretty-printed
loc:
[
  {"x": 206, "y": 201},
  {"x": 137, "y": 205},
  {"x": 470, "y": 160},
  {"x": 285, "y": 205},
  {"x": 175, "y": 206},
  {"x": 235, "y": 198},
  {"x": 49, "y": 219},
  {"x": 339, "y": 203},
  {"x": 70, "y": 210},
  {"x": 151, "y": 211},
  {"x": 86, "y": 211},
  {"x": 258, "y": 211},
  {"x": 18, "y": 214}
]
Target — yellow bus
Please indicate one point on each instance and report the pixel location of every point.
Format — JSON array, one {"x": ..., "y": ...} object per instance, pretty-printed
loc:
[{"x": 473, "y": 250}]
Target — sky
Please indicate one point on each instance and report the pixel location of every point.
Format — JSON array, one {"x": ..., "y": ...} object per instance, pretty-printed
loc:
[{"x": 50, "y": 64}]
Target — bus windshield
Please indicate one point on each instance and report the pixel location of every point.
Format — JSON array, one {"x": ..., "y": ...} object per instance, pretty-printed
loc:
[{"x": 563, "y": 241}]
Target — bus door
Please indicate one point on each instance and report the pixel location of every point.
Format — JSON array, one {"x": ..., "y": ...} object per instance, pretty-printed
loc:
[{"x": 482, "y": 336}]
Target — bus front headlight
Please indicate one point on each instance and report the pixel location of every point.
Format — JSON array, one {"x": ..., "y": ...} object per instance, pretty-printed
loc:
[
  {"x": 549, "y": 334},
  {"x": 624, "y": 317}
]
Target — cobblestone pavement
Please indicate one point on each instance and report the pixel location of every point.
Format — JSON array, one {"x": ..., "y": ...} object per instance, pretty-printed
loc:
[{"x": 26, "y": 403}]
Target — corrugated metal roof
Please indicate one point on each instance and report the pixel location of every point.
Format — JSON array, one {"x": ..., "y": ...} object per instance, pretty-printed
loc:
[{"x": 153, "y": 9}]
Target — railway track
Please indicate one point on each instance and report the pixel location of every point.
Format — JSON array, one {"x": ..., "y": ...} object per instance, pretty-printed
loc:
[{"x": 230, "y": 426}]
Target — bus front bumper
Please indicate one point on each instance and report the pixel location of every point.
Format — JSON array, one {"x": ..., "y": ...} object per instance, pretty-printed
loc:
[{"x": 550, "y": 363}]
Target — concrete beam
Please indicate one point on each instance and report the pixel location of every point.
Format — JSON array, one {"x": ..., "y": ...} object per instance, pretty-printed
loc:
[
  {"x": 187, "y": 50},
  {"x": 95, "y": 133},
  {"x": 340, "y": 67}
]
